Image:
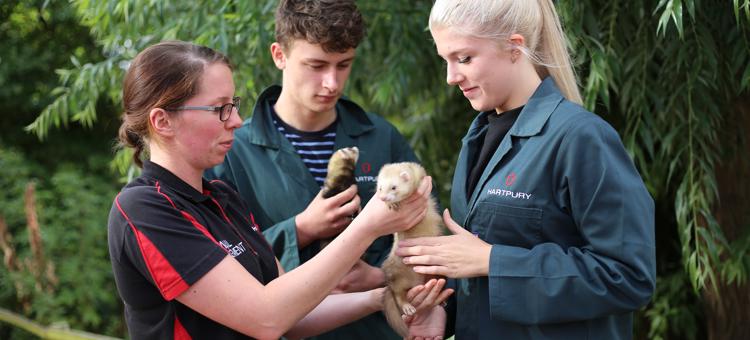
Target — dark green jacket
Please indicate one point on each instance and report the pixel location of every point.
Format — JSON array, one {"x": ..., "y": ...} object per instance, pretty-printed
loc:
[
  {"x": 571, "y": 224},
  {"x": 266, "y": 170}
]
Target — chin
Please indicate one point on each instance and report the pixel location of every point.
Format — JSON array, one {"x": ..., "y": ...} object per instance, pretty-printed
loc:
[{"x": 481, "y": 107}]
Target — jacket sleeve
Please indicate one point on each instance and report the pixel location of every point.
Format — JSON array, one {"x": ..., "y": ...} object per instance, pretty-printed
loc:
[
  {"x": 283, "y": 239},
  {"x": 614, "y": 271}
]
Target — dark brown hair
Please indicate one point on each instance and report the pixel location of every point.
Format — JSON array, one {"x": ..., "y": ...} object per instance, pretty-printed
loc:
[
  {"x": 336, "y": 25},
  {"x": 163, "y": 75}
]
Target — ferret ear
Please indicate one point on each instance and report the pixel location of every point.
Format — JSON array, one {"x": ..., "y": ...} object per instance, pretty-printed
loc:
[{"x": 404, "y": 176}]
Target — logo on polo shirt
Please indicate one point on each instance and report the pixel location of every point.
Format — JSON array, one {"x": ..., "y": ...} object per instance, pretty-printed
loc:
[{"x": 234, "y": 250}]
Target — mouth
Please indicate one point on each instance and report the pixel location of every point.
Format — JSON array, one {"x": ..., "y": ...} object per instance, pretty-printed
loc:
[
  {"x": 227, "y": 144},
  {"x": 327, "y": 98},
  {"x": 469, "y": 90}
]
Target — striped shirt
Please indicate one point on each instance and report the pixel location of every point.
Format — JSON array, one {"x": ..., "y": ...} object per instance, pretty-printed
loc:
[{"x": 314, "y": 148}]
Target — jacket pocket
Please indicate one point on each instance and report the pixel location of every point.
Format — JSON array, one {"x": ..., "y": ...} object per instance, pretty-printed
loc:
[{"x": 509, "y": 225}]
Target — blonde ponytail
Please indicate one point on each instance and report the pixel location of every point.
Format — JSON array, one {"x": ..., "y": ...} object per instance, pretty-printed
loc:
[{"x": 553, "y": 47}]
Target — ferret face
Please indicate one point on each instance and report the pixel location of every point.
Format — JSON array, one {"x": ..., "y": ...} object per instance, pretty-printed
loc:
[{"x": 395, "y": 184}]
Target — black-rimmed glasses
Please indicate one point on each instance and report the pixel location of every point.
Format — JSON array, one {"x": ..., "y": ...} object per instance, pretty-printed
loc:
[{"x": 225, "y": 111}]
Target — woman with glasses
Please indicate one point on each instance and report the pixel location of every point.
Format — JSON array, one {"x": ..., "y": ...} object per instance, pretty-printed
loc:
[{"x": 188, "y": 259}]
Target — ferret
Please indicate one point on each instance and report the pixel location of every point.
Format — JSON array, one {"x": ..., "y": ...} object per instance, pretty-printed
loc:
[
  {"x": 340, "y": 171},
  {"x": 396, "y": 182},
  {"x": 340, "y": 176}
]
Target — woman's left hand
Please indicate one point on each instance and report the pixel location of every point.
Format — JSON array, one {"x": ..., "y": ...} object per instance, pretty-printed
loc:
[{"x": 456, "y": 256}]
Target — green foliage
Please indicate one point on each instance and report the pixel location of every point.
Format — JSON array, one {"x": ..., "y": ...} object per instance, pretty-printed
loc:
[
  {"x": 670, "y": 92},
  {"x": 77, "y": 286},
  {"x": 673, "y": 312}
]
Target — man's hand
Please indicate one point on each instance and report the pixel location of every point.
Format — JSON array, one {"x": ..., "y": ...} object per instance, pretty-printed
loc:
[
  {"x": 325, "y": 218},
  {"x": 360, "y": 278}
]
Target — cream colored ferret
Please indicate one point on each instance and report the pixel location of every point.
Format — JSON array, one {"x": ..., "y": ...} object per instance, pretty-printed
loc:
[{"x": 396, "y": 182}]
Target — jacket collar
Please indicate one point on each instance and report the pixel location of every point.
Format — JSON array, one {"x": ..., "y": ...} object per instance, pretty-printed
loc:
[
  {"x": 353, "y": 120},
  {"x": 532, "y": 118}
]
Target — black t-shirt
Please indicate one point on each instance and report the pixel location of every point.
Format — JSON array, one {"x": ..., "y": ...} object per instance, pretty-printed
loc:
[
  {"x": 163, "y": 236},
  {"x": 498, "y": 126}
]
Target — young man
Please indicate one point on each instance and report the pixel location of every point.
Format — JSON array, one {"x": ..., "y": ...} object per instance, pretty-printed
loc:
[{"x": 279, "y": 157}]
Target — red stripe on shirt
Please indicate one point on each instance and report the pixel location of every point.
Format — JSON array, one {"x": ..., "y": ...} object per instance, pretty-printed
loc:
[
  {"x": 198, "y": 226},
  {"x": 180, "y": 333},
  {"x": 167, "y": 279},
  {"x": 188, "y": 217}
]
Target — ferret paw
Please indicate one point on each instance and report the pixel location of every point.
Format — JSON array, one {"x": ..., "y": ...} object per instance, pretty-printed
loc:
[
  {"x": 393, "y": 206},
  {"x": 408, "y": 309}
]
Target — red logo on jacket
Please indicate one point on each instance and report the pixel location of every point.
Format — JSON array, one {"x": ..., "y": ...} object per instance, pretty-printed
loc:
[
  {"x": 510, "y": 179},
  {"x": 366, "y": 168}
]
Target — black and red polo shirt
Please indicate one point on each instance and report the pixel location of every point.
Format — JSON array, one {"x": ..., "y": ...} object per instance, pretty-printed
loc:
[{"x": 163, "y": 236}]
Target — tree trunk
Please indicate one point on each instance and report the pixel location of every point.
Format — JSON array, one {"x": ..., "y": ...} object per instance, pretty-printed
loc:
[{"x": 727, "y": 313}]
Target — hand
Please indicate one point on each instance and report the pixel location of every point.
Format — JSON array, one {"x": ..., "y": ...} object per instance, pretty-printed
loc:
[
  {"x": 427, "y": 325},
  {"x": 460, "y": 255},
  {"x": 360, "y": 278},
  {"x": 428, "y": 295},
  {"x": 379, "y": 220},
  {"x": 325, "y": 218}
]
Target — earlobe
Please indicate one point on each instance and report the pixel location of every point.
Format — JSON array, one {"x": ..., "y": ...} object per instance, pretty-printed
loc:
[{"x": 277, "y": 53}]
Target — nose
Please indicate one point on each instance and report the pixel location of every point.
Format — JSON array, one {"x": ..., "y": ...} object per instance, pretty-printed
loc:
[
  {"x": 453, "y": 77},
  {"x": 330, "y": 81},
  {"x": 235, "y": 120}
]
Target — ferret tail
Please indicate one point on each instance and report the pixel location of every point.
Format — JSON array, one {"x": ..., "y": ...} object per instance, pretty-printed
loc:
[{"x": 393, "y": 313}]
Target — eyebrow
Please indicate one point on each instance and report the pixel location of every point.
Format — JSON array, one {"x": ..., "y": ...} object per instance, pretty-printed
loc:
[
  {"x": 453, "y": 53},
  {"x": 320, "y": 61},
  {"x": 222, "y": 99}
]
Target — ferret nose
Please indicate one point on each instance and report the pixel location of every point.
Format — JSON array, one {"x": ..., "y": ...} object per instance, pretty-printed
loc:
[{"x": 383, "y": 197}]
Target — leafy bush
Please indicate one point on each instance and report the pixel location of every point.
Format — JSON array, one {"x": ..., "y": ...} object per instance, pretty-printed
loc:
[{"x": 65, "y": 277}]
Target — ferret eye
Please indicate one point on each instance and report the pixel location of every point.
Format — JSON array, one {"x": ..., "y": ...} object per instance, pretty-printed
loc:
[{"x": 393, "y": 187}]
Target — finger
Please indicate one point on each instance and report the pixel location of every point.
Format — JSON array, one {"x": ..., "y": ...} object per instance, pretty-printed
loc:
[
  {"x": 411, "y": 293},
  {"x": 426, "y": 186},
  {"x": 420, "y": 298},
  {"x": 423, "y": 260},
  {"x": 433, "y": 270},
  {"x": 422, "y": 241},
  {"x": 344, "y": 196},
  {"x": 444, "y": 295},
  {"x": 434, "y": 293},
  {"x": 349, "y": 209},
  {"x": 452, "y": 225}
]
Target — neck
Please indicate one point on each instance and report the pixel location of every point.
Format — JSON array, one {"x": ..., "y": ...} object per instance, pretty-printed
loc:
[
  {"x": 179, "y": 167},
  {"x": 528, "y": 82},
  {"x": 301, "y": 118}
]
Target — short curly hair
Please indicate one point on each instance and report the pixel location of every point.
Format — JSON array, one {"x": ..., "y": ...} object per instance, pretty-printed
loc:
[{"x": 336, "y": 25}]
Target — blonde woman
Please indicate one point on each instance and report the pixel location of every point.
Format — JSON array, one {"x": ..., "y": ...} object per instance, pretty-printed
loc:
[{"x": 553, "y": 226}]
